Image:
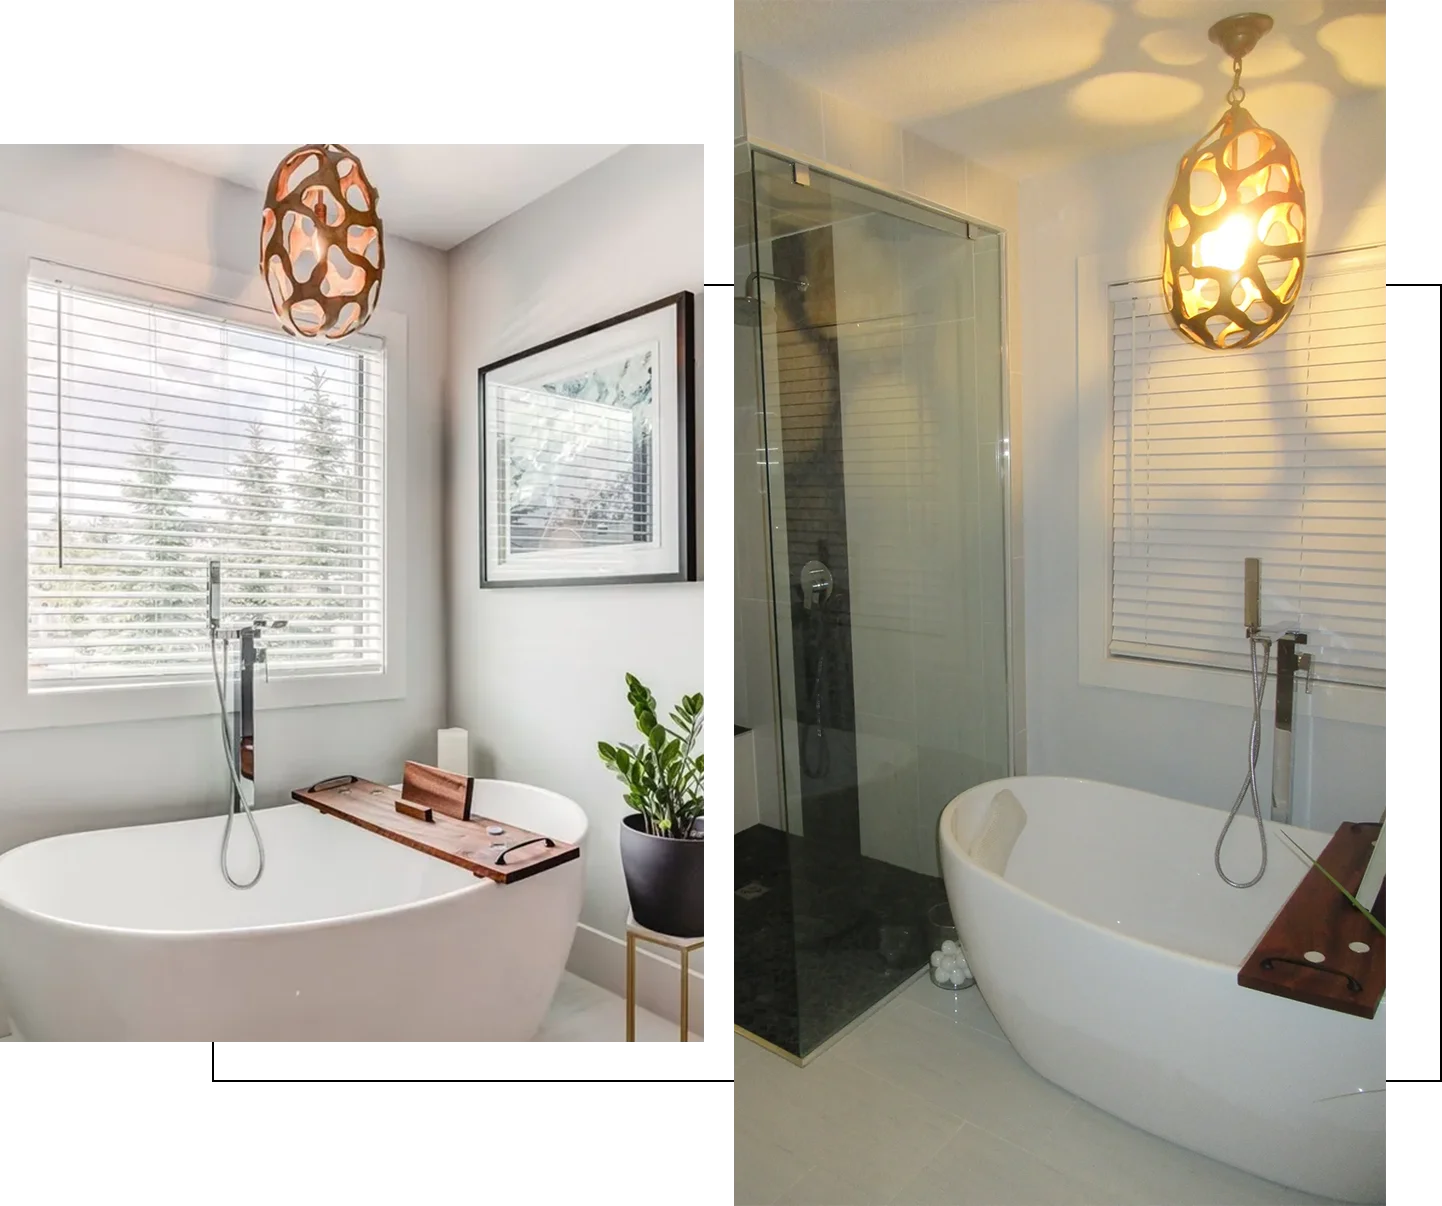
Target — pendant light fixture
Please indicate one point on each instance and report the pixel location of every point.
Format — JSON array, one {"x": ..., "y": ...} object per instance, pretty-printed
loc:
[
  {"x": 321, "y": 250},
  {"x": 1235, "y": 238}
]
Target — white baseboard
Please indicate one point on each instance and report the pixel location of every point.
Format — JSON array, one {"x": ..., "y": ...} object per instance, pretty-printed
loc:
[{"x": 601, "y": 959}]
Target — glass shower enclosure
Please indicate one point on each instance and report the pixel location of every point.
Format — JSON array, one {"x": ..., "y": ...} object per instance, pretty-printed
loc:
[{"x": 871, "y": 520}]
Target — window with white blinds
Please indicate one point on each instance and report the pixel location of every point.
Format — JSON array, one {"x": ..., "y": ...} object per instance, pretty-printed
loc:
[
  {"x": 1276, "y": 452},
  {"x": 160, "y": 439}
]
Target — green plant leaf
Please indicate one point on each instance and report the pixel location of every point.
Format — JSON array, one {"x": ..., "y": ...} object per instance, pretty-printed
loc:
[
  {"x": 1356, "y": 904},
  {"x": 661, "y": 776}
]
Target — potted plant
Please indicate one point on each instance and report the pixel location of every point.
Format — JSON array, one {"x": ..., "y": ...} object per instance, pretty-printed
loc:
[{"x": 662, "y": 847}]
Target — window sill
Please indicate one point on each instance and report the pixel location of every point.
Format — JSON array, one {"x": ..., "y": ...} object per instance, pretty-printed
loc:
[
  {"x": 1328, "y": 701},
  {"x": 54, "y": 708}
]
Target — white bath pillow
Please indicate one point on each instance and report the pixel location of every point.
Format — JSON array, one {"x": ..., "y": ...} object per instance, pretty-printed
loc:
[{"x": 1005, "y": 819}]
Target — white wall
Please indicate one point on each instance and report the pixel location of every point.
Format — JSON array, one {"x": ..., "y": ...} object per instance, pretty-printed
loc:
[
  {"x": 63, "y": 779},
  {"x": 1177, "y": 747},
  {"x": 537, "y": 674}
]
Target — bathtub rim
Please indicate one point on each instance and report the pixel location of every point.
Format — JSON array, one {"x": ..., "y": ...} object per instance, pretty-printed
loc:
[
  {"x": 479, "y": 884},
  {"x": 952, "y": 845}
]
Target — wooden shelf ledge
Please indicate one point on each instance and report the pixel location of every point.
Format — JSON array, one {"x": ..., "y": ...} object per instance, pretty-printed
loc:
[{"x": 1318, "y": 920}]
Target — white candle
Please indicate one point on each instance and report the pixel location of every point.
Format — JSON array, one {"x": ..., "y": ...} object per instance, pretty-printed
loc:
[{"x": 453, "y": 751}]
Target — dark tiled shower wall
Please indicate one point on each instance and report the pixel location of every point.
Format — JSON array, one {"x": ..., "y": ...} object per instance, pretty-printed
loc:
[{"x": 808, "y": 399}]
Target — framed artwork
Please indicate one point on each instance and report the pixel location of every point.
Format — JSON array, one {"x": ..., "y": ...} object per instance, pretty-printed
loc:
[{"x": 588, "y": 455}]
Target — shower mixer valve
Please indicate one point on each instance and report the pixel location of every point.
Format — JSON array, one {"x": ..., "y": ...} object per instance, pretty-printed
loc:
[{"x": 816, "y": 584}]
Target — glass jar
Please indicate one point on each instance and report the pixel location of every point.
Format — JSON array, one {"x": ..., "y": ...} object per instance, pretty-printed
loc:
[{"x": 941, "y": 929}]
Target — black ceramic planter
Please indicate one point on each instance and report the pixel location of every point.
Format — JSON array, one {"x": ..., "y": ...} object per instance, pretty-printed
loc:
[{"x": 663, "y": 879}]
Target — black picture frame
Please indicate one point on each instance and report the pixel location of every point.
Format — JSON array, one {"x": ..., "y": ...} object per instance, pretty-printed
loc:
[{"x": 684, "y": 304}]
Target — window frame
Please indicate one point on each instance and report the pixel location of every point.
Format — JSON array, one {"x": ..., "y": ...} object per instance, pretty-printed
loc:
[
  {"x": 1097, "y": 667},
  {"x": 28, "y": 246}
]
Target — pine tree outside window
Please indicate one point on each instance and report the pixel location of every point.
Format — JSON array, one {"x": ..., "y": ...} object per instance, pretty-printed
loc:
[{"x": 160, "y": 439}]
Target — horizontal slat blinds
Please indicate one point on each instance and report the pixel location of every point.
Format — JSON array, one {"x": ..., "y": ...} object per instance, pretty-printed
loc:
[
  {"x": 1276, "y": 452},
  {"x": 160, "y": 439}
]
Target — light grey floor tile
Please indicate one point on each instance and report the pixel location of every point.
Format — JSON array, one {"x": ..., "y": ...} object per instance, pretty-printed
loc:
[
  {"x": 957, "y": 1069},
  {"x": 818, "y": 1186},
  {"x": 854, "y": 1127},
  {"x": 582, "y": 1012},
  {"x": 977, "y": 1169},
  {"x": 927, "y": 1103},
  {"x": 574, "y": 994},
  {"x": 966, "y": 1007},
  {"x": 1137, "y": 1167}
]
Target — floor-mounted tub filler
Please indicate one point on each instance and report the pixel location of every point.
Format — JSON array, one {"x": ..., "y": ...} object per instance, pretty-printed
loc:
[
  {"x": 1108, "y": 948},
  {"x": 132, "y": 933}
]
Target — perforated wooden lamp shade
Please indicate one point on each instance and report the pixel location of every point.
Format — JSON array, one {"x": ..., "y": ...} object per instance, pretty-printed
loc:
[
  {"x": 321, "y": 250},
  {"x": 1235, "y": 242}
]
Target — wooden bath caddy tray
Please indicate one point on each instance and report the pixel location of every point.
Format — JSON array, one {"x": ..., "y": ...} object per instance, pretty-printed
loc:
[
  {"x": 432, "y": 813},
  {"x": 1318, "y": 919}
]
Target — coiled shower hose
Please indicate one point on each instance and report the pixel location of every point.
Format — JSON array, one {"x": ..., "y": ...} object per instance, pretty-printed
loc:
[
  {"x": 235, "y": 782},
  {"x": 1249, "y": 781}
]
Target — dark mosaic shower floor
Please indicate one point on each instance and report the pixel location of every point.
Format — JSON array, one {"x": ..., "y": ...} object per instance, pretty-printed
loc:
[{"x": 831, "y": 934}]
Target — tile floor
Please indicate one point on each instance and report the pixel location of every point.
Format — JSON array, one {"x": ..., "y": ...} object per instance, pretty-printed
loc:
[
  {"x": 926, "y": 1103},
  {"x": 583, "y": 1012}
]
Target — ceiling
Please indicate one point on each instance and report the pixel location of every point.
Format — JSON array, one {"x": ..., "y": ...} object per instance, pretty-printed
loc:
[
  {"x": 436, "y": 195},
  {"x": 1028, "y": 86}
]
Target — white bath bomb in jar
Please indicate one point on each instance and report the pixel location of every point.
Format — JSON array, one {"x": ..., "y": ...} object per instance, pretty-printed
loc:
[
  {"x": 935, "y": 958},
  {"x": 947, "y": 962},
  {"x": 957, "y": 976},
  {"x": 949, "y": 947}
]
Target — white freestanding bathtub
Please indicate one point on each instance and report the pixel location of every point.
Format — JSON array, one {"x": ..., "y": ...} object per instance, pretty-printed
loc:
[
  {"x": 133, "y": 934},
  {"x": 1108, "y": 949}
]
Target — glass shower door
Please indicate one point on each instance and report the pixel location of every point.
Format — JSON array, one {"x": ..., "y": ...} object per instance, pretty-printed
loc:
[{"x": 877, "y": 329}]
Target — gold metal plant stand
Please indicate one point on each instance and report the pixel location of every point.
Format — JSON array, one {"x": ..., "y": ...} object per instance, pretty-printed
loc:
[{"x": 635, "y": 932}]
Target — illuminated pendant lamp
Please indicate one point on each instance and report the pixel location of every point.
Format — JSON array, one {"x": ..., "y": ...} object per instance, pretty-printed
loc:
[
  {"x": 321, "y": 250},
  {"x": 1235, "y": 239}
]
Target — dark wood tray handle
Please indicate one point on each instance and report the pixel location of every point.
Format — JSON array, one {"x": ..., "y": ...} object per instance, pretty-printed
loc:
[
  {"x": 501, "y": 859},
  {"x": 338, "y": 781},
  {"x": 1353, "y": 985}
]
